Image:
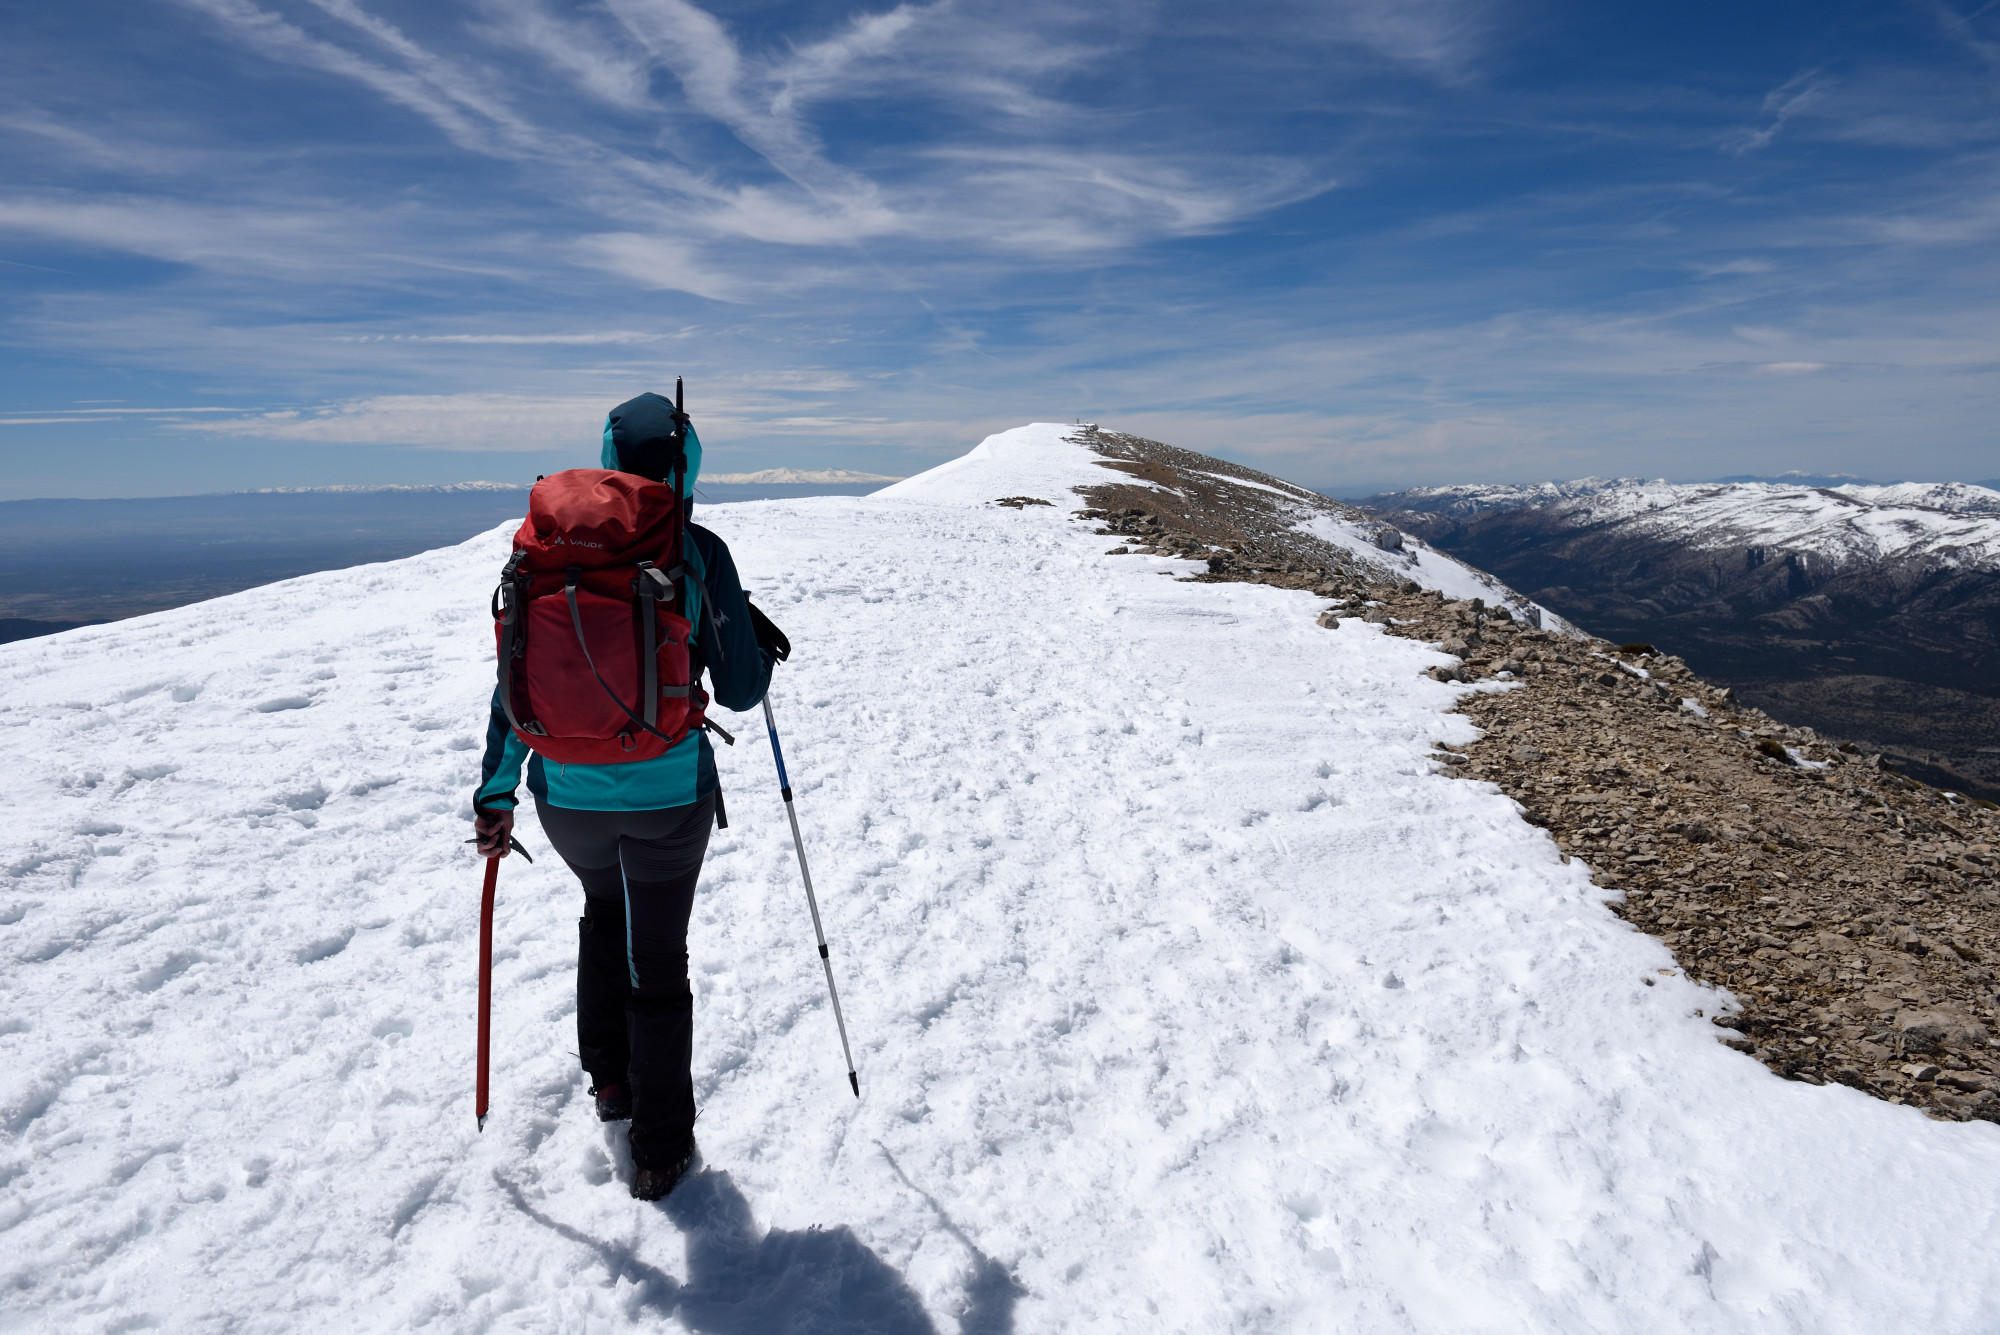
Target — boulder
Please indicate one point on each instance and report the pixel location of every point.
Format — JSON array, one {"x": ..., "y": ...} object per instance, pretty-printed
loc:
[{"x": 1928, "y": 1031}]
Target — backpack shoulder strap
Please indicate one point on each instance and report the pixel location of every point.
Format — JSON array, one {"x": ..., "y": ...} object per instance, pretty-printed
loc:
[
  {"x": 507, "y": 611},
  {"x": 705, "y": 602}
]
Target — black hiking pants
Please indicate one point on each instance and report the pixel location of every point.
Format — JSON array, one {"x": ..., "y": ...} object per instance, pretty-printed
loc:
[{"x": 634, "y": 1009}]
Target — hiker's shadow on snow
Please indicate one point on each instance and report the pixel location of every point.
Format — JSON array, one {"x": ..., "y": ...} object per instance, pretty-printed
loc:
[{"x": 821, "y": 1281}]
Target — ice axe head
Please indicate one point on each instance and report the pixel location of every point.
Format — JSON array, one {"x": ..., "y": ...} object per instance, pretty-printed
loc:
[{"x": 512, "y": 843}]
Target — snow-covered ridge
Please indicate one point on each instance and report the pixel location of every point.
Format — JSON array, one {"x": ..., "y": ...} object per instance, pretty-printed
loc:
[
  {"x": 1952, "y": 523},
  {"x": 1187, "y": 995},
  {"x": 1056, "y": 462}
]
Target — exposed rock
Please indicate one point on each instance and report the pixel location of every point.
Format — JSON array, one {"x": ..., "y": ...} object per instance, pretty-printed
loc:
[{"x": 1936, "y": 1031}]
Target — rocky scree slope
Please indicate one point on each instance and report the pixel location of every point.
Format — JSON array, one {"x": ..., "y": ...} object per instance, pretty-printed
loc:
[
  {"x": 1868, "y": 611},
  {"x": 1853, "y": 912}
]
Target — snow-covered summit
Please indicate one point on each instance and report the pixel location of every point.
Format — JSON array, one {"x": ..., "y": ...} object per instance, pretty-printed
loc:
[
  {"x": 1187, "y": 995},
  {"x": 1057, "y": 463},
  {"x": 1044, "y": 459}
]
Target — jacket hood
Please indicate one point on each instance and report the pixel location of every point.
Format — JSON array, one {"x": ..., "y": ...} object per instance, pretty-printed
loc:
[{"x": 639, "y": 437}]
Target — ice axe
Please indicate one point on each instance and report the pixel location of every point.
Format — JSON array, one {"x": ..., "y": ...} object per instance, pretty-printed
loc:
[{"x": 486, "y": 971}]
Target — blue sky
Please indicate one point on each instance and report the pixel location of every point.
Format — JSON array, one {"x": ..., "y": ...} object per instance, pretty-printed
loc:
[{"x": 256, "y": 243}]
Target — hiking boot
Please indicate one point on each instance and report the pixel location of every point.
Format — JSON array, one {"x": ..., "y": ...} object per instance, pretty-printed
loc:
[
  {"x": 650, "y": 1184},
  {"x": 614, "y": 1102}
]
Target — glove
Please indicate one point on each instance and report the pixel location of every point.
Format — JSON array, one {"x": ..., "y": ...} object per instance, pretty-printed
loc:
[
  {"x": 494, "y": 831},
  {"x": 770, "y": 639}
]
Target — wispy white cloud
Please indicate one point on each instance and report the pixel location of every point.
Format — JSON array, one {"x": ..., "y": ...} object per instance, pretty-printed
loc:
[
  {"x": 578, "y": 48},
  {"x": 270, "y": 33},
  {"x": 611, "y": 336},
  {"x": 91, "y": 414},
  {"x": 1439, "y": 35},
  {"x": 1024, "y": 189},
  {"x": 294, "y": 240},
  {"x": 459, "y": 422},
  {"x": 1733, "y": 268},
  {"x": 1791, "y": 98},
  {"x": 1966, "y": 29},
  {"x": 656, "y": 262},
  {"x": 714, "y": 76}
]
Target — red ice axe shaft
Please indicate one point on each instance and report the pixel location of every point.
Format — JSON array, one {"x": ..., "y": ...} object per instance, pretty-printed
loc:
[
  {"x": 486, "y": 969},
  {"x": 485, "y": 983}
]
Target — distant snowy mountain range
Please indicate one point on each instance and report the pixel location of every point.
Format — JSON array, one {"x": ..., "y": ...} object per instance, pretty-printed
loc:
[
  {"x": 1866, "y": 520},
  {"x": 1795, "y": 478},
  {"x": 1870, "y": 610}
]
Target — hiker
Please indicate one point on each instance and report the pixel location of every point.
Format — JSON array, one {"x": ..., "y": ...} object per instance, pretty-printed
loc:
[{"x": 634, "y": 825}]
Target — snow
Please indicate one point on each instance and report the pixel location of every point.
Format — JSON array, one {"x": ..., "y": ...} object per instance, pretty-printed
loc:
[
  {"x": 1425, "y": 565},
  {"x": 1039, "y": 460},
  {"x": 1288, "y": 493},
  {"x": 1184, "y": 998}
]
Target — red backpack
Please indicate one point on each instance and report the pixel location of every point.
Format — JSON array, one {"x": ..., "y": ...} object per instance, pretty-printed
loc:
[{"x": 593, "y": 621}]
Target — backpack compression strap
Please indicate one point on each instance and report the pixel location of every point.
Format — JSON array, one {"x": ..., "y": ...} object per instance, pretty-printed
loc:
[
  {"x": 570, "y": 577},
  {"x": 654, "y": 584}
]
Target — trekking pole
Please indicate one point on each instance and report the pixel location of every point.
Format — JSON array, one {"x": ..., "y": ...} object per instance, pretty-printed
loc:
[
  {"x": 486, "y": 973},
  {"x": 812, "y": 901}
]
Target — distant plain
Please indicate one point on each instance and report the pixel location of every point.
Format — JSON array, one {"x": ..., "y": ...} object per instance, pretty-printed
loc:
[{"x": 73, "y": 562}]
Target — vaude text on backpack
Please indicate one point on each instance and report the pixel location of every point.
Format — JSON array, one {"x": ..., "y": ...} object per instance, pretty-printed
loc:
[{"x": 593, "y": 620}]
